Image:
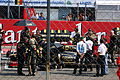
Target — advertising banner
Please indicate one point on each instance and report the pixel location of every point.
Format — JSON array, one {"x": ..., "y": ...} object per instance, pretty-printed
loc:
[
  {"x": 80, "y": 3},
  {"x": 54, "y": 3},
  {"x": 12, "y": 33}
]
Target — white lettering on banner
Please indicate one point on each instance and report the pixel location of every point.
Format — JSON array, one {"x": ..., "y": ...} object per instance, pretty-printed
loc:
[
  {"x": 100, "y": 35},
  {"x": 79, "y": 28},
  {"x": 10, "y": 34},
  {"x": 85, "y": 3},
  {"x": 1, "y": 26},
  {"x": 19, "y": 33},
  {"x": 11, "y": 37},
  {"x": 34, "y": 31}
]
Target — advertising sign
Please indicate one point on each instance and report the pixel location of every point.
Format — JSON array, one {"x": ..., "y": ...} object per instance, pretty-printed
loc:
[
  {"x": 54, "y": 3},
  {"x": 80, "y": 3},
  {"x": 12, "y": 33},
  {"x": 34, "y": 2}
]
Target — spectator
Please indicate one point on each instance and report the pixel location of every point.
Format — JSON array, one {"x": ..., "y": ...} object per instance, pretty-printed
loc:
[
  {"x": 63, "y": 17},
  {"x": 70, "y": 17},
  {"x": 41, "y": 16},
  {"x": 80, "y": 17},
  {"x": 84, "y": 17},
  {"x": 90, "y": 17},
  {"x": 34, "y": 17},
  {"x": 37, "y": 16}
]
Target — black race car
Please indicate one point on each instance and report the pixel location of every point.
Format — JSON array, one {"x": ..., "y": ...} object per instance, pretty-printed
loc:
[{"x": 69, "y": 55}]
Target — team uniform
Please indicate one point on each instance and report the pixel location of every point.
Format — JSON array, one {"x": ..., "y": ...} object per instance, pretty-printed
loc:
[
  {"x": 81, "y": 50},
  {"x": 74, "y": 36},
  {"x": 21, "y": 57},
  {"x": 112, "y": 48},
  {"x": 88, "y": 55},
  {"x": 21, "y": 49},
  {"x": 32, "y": 56},
  {"x": 1, "y": 37}
]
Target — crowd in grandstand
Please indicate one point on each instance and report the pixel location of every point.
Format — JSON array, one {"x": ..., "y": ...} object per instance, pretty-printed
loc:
[
  {"x": 69, "y": 17},
  {"x": 79, "y": 17},
  {"x": 38, "y": 16}
]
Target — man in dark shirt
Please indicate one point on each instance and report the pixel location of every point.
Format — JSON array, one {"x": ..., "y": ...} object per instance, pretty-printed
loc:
[
  {"x": 1, "y": 37},
  {"x": 41, "y": 17},
  {"x": 112, "y": 48},
  {"x": 21, "y": 49}
]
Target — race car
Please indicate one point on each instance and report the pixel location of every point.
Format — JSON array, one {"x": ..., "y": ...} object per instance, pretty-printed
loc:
[{"x": 69, "y": 55}]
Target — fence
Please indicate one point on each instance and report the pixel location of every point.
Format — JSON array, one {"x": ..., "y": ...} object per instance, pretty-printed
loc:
[{"x": 63, "y": 54}]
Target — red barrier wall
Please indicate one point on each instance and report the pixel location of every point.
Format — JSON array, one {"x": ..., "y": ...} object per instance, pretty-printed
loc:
[{"x": 61, "y": 25}]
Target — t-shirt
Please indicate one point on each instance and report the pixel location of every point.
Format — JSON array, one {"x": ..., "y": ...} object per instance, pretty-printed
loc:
[
  {"x": 41, "y": 18},
  {"x": 89, "y": 44},
  {"x": 102, "y": 49},
  {"x": 81, "y": 47}
]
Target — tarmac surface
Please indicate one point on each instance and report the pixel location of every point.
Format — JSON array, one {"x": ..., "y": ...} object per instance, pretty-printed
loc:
[{"x": 57, "y": 74}]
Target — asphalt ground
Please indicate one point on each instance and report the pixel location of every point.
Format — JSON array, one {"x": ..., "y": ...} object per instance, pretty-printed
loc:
[{"x": 57, "y": 74}]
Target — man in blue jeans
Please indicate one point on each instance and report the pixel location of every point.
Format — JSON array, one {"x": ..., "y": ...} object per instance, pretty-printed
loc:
[{"x": 102, "y": 49}]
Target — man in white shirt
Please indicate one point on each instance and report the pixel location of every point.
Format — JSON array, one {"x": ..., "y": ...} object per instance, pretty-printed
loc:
[
  {"x": 81, "y": 50},
  {"x": 88, "y": 55},
  {"x": 102, "y": 49}
]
